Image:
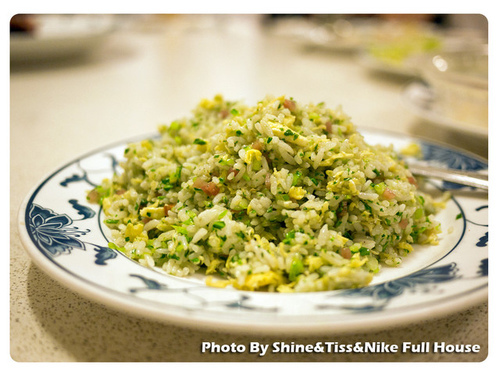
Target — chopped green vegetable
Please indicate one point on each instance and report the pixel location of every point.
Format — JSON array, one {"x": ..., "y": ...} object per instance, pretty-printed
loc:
[
  {"x": 296, "y": 268},
  {"x": 199, "y": 141},
  {"x": 219, "y": 224}
]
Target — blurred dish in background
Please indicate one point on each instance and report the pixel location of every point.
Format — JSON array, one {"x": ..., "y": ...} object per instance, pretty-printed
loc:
[
  {"x": 330, "y": 32},
  {"x": 35, "y": 38},
  {"x": 391, "y": 45},
  {"x": 395, "y": 46},
  {"x": 292, "y": 28},
  {"x": 456, "y": 89},
  {"x": 419, "y": 98},
  {"x": 341, "y": 35},
  {"x": 394, "y": 42},
  {"x": 382, "y": 45},
  {"x": 459, "y": 78}
]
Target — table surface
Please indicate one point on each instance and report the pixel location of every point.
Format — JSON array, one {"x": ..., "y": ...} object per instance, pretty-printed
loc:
[{"x": 148, "y": 73}]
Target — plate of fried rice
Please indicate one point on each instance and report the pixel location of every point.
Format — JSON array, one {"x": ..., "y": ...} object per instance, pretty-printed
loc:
[{"x": 273, "y": 217}]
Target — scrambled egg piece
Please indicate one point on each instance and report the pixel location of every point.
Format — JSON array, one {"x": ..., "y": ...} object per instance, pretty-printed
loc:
[
  {"x": 133, "y": 231},
  {"x": 413, "y": 149},
  {"x": 256, "y": 281},
  {"x": 342, "y": 185},
  {"x": 251, "y": 155},
  {"x": 297, "y": 192}
]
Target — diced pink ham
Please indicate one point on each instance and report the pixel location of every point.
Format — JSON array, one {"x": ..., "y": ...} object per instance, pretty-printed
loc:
[
  {"x": 403, "y": 223},
  {"x": 209, "y": 188},
  {"x": 289, "y": 104},
  {"x": 257, "y": 145},
  {"x": 346, "y": 253},
  {"x": 328, "y": 126},
  {"x": 167, "y": 208},
  {"x": 267, "y": 181},
  {"x": 232, "y": 170},
  {"x": 93, "y": 196},
  {"x": 388, "y": 194},
  {"x": 412, "y": 180}
]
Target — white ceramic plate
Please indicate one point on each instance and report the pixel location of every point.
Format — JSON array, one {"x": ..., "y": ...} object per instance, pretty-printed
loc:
[
  {"x": 64, "y": 236},
  {"x": 419, "y": 99},
  {"x": 60, "y": 36}
]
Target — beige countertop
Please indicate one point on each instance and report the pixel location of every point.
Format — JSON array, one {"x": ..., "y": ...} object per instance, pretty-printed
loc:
[{"x": 148, "y": 74}]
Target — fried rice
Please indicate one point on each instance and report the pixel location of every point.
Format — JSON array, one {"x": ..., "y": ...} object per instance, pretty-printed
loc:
[{"x": 280, "y": 196}]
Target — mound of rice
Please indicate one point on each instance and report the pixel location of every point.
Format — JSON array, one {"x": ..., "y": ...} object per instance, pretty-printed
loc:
[{"x": 273, "y": 197}]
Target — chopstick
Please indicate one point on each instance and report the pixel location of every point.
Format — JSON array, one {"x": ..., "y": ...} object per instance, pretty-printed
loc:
[{"x": 468, "y": 178}]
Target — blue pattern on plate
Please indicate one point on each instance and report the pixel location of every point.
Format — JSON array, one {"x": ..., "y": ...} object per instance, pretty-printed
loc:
[
  {"x": 241, "y": 301},
  {"x": 54, "y": 234},
  {"x": 382, "y": 294},
  {"x": 450, "y": 159}
]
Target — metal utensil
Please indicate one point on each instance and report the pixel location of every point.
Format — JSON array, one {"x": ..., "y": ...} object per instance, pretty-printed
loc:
[{"x": 469, "y": 178}]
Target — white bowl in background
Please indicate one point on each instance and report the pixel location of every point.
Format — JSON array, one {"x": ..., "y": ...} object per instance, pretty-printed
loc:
[{"x": 459, "y": 80}]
